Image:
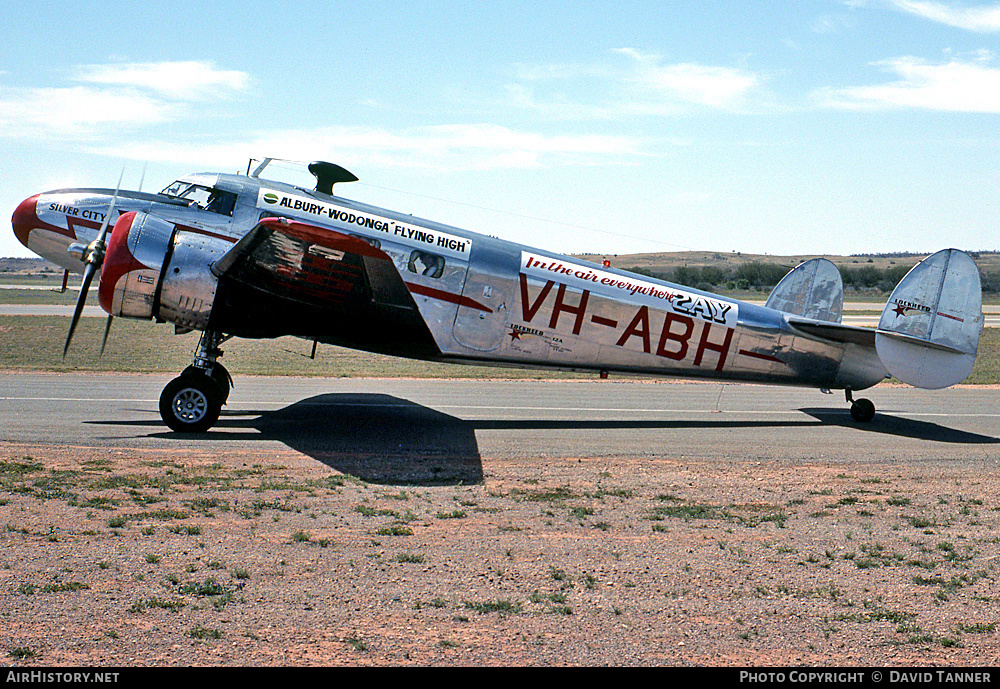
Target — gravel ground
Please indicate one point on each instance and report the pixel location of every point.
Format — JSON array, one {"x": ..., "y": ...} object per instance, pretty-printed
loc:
[{"x": 123, "y": 557}]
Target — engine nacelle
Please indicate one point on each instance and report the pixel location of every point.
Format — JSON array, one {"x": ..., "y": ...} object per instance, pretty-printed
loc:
[
  {"x": 133, "y": 263},
  {"x": 188, "y": 286},
  {"x": 153, "y": 268}
]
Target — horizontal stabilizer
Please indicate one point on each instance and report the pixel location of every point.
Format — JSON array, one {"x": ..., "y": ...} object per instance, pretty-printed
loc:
[
  {"x": 813, "y": 289},
  {"x": 928, "y": 335},
  {"x": 837, "y": 332}
]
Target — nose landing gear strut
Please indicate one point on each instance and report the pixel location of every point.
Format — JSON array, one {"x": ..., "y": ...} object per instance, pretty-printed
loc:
[{"x": 192, "y": 402}]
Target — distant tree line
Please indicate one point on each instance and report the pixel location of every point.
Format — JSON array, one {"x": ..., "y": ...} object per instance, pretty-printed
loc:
[{"x": 757, "y": 275}]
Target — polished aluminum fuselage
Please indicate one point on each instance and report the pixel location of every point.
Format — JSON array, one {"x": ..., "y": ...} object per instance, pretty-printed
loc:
[{"x": 493, "y": 302}]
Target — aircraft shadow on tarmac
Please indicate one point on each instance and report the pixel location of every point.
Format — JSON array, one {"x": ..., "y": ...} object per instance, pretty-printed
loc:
[
  {"x": 906, "y": 428},
  {"x": 384, "y": 439},
  {"x": 377, "y": 438},
  {"x": 883, "y": 423}
]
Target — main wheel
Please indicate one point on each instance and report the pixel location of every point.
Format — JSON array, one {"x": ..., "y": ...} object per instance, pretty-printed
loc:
[
  {"x": 222, "y": 378},
  {"x": 863, "y": 410},
  {"x": 219, "y": 374},
  {"x": 191, "y": 403}
]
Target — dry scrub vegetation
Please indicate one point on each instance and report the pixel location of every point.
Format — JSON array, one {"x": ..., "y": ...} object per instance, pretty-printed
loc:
[{"x": 117, "y": 557}]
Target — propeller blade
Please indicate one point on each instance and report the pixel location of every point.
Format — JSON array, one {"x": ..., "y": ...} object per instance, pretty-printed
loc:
[
  {"x": 107, "y": 218},
  {"x": 93, "y": 260},
  {"x": 107, "y": 329},
  {"x": 88, "y": 275}
]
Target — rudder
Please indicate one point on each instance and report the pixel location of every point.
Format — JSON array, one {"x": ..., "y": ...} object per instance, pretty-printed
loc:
[
  {"x": 813, "y": 289},
  {"x": 928, "y": 335}
]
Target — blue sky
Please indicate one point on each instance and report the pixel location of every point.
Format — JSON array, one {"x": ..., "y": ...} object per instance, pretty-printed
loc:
[{"x": 823, "y": 126}]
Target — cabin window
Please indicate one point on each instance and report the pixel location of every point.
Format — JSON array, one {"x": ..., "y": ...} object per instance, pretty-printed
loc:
[{"x": 426, "y": 264}]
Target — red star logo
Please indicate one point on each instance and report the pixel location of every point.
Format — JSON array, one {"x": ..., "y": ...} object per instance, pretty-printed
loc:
[
  {"x": 900, "y": 310},
  {"x": 514, "y": 335}
]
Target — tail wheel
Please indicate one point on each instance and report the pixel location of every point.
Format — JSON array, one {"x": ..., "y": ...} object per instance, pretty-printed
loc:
[
  {"x": 862, "y": 410},
  {"x": 191, "y": 403}
]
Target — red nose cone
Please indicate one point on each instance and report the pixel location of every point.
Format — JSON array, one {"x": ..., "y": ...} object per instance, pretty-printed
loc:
[{"x": 25, "y": 220}]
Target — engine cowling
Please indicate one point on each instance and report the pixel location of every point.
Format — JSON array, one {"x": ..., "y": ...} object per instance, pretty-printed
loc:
[
  {"x": 187, "y": 290},
  {"x": 155, "y": 269},
  {"x": 133, "y": 264}
]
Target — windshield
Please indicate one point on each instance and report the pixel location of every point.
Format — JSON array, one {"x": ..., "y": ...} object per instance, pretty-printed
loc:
[{"x": 206, "y": 198}]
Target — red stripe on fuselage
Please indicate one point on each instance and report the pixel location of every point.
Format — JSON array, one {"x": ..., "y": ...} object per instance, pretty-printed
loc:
[
  {"x": 446, "y": 296},
  {"x": 758, "y": 355}
]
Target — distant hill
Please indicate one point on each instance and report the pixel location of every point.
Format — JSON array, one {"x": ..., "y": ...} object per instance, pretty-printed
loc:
[
  {"x": 874, "y": 273},
  {"x": 988, "y": 261},
  {"x": 27, "y": 265}
]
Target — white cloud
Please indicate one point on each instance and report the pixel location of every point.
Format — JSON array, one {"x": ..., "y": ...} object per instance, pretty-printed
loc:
[
  {"x": 74, "y": 111},
  {"x": 444, "y": 147},
  {"x": 181, "y": 80},
  {"x": 709, "y": 85},
  {"x": 983, "y": 19},
  {"x": 128, "y": 110},
  {"x": 110, "y": 96},
  {"x": 957, "y": 86},
  {"x": 643, "y": 85},
  {"x": 717, "y": 87},
  {"x": 441, "y": 148}
]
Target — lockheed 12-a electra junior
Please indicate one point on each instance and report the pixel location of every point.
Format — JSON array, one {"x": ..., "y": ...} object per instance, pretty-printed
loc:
[{"x": 234, "y": 255}]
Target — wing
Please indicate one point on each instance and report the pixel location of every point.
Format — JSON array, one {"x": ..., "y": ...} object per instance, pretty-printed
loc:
[
  {"x": 837, "y": 332},
  {"x": 289, "y": 278}
]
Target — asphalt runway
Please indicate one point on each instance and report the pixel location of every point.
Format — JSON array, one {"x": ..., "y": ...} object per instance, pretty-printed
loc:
[{"x": 346, "y": 422}]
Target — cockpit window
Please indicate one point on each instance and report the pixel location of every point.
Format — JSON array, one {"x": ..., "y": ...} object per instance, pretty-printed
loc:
[
  {"x": 175, "y": 189},
  {"x": 206, "y": 198}
]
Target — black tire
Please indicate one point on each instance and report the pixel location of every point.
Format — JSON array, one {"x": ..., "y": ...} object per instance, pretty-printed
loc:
[
  {"x": 219, "y": 374},
  {"x": 863, "y": 411},
  {"x": 191, "y": 403},
  {"x": 225, "y": 381}
]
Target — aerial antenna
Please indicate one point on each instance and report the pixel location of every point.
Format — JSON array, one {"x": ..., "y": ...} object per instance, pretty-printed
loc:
[
  {"x": 267, "y": 161},
  {"x": 260, "y": 168}
]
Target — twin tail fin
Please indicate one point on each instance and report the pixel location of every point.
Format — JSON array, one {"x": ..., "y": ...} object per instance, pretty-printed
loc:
[{"x": 928, "y": 335}]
